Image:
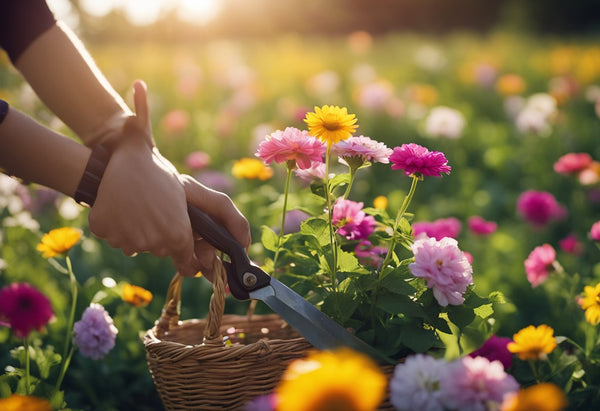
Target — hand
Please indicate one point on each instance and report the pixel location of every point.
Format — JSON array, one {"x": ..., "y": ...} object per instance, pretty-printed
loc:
[{"x": 142, "y": 201}]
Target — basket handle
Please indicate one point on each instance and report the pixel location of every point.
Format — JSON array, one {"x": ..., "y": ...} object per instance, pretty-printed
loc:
[{"x": 170, "y": 314}]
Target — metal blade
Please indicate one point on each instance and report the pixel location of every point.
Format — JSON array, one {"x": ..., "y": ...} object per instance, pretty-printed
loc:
[{"x": 318, "y": 329}]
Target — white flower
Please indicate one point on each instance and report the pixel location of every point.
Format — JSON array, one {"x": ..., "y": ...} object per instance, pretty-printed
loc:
[
  {"x": 444, "y": 122},
  {"x": 415, "y": 385}
]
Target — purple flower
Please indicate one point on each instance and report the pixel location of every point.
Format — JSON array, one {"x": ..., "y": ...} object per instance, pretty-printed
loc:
[
  {"x": 417, "y": 160},
  {"x": 475, "y": 384},
  {"x": 415, "y": 384},
  {"x": 368, "y": 254},
  {"x": 267, "y": 402},
  {"x": 539, "y": 207},
  {"x": 351, "y": 221},
  {"x": 539, "y": 264},
  {"x": 95, "y": 333},
  {"x": 478, "y": 225},
  {"x": 364, "y": 148},
  {"x": 494, "y": 349},
  {"x": 445, "y": 268},
  {"x": 293, "y": 219},
  {"x": 438, "y": 229},
  {"x": 23, "y": 308}
]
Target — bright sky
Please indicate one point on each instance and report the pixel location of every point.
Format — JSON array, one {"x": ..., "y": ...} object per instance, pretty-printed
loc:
[{"x": 141, "y": 12}]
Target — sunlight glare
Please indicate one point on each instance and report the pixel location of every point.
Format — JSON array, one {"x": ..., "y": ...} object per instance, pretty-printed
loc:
[{"x": 198, "y": 11}]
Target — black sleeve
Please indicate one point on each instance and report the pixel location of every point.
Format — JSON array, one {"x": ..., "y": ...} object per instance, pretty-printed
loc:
[
  {"x": 3, "y": 110},
  {"x": 21, "y": 22}
]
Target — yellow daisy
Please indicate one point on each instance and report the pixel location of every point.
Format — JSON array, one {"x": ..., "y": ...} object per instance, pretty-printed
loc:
[
  {"x": 539, "y": 397},
  {"x": 18, "y": 402},
  {"x": 533, "y": 342},
  {"x": 591, "y": 304},
  {"x": 331, "y": 124},
  {"x": 58, "y": 241},
  {"x": 136, "y": 296},
  {"x": 251, "y": 168},
  {"x": 341, "y": 380}
]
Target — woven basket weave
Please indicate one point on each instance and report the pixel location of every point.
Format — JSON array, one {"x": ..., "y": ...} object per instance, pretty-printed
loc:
[{"x": 195, "y": 368}]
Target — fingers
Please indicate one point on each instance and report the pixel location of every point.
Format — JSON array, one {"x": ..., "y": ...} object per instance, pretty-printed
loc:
[{"x": 140, "y": 100}]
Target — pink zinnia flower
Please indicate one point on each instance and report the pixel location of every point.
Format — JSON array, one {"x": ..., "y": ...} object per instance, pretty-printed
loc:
[
  {"x": 95, "y": 333},
  {"x": 476, "y": 384},
  {"x": 438, "y": 229},
  {"x": 417, "y": 160},
  {"x": 291, "y": 145},
  {"x": 539, "y": 207},
  {"x": 364, "y": 148},
  {"x": 24, "y": 309},
  {"x": 480, "y": 226},
  {"x": 351, "y": 221},
  {"x": 572, "y": 163},
  {"x": 494, "y": 349},
  {"x": 316, "y": 171},
  {"x": 539, "y": 264},
  {"x": 570, "y": 244},
  {"x": 445, "y": 268},
  {"x": 595, "y": 231}
]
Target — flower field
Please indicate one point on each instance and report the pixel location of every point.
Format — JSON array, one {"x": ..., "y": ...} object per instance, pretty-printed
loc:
[{"x": 482, "y": 155}]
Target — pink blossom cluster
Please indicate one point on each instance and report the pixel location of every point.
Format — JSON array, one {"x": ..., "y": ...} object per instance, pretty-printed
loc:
[
  {"x": 352, "y": 222},
  {"x": 579, "y": 165},
  {"x": 445, "y": 268},
  {"x": 539, "y": 264},
  {"x": 419, "y": 161},
  {"x": 539, "y": 208},
  {"x": 365, "y": 148},
  {"x": 291, "y": 145},
  {"x": 438, "y": 229},
  {"x": 468, "y": 383}
]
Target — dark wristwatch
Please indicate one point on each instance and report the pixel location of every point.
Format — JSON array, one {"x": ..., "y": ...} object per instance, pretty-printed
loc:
[{"x": 92, "y": 176}]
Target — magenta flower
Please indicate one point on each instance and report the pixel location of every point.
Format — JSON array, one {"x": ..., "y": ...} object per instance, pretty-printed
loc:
[
  {"x": 570, "y": 244},
  {"x": 572, "y": 163},
  {"x": 539, "y": 264},
  {"x": 291, "y": 145},
  {"x": 478, "y": 225},
  {"x": 351, "y": 221},
  {"x": 438, "y": 229},
  {"x": 595, "y": 231},
  {"x": 539, "y": 207},
  {"x": 95, "y": 333},
  {"x": 24, "y": 309},
  {"x": 415, "y": 384},
  {"x": 364, "y": 148},
  {"x": 445, "y": 268},
  {"x": 476, "y": 384},
  {"x": 417, "y": 160},
  {"x": 368, "y": 254},
  {"x": 494, "y": 349}
]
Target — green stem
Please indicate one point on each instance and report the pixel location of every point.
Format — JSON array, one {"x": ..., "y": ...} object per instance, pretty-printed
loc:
[
  {"x": 330, "y": 218},
  {"x": 285, "y": 201},
  {"x": 352, "y": 176},
  {"x": 534, "y": 370},
  {"x": 401, "y": 212},
  {"x": 66, "y": 357},
  {"x": 63, "y": 369},
  {"x": 27, "y": 366}
]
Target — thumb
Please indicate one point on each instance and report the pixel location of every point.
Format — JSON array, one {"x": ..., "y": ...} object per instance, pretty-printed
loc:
[{"x": 140, "y": 100}]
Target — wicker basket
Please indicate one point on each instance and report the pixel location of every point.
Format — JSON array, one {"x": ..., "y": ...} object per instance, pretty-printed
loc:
[{"x": 219, "y": 363}]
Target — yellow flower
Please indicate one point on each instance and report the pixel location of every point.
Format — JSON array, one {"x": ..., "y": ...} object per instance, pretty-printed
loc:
[
  {"x": 18, "y": 402},
  {"x": 510, "y": 85},
  {"x": 331, "y": 124},
  {"x": 424, "y": 94},
  {"x": 331, "y": 381},
  {"x": 380, "y": 202},
  {"x": 136, "y": 296},
  {"x": 58, "y": 241},
  {"x": 533, "y": 342},
  {"x": 251, "y": 168},
  {"x": 591, "y": 304},
  {"x": 539, "y": 397}
]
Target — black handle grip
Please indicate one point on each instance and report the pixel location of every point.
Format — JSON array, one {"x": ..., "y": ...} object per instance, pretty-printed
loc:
[{"x": 221, "y": 239}]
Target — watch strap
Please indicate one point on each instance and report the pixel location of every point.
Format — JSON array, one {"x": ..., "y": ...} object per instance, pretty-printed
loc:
[{"x": 87, "y": 189}]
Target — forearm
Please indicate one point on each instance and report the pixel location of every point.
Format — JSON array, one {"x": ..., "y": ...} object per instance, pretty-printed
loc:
[
  {"x": 36, "y": 154},
  {"x": 66, "y": 79}
]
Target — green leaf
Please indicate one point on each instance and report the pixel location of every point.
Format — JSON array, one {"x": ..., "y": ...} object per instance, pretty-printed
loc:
[
  {"x": 318, "y": 228},
  {"x": 396, "y": 282},
  {"x": 418, "y": 339},
  {"x": 405, "y": 227},
  {"x": 45, "y": 358},
  {"x": 347, "y": 262},
  {"x": 399, "y": 304},
  {"x": 461, "y": 316},
  {"x": 484, "y": 311},
  {"x": 268, "y": 238},
  {"x": 338, "y": 180},
  {"x": 340, "y": 306}
]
